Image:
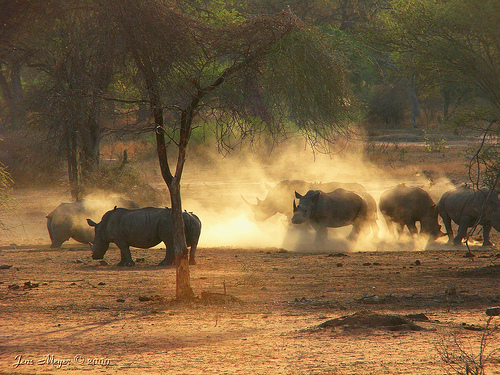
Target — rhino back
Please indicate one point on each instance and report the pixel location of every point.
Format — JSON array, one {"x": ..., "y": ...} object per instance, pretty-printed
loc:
[
  {"x": 465, "y": 202},
  {"x": 403, "y": 203},
  {"x": 331, "y": 186},
  {"x": 66, "y": 221},
  {"x": 143, "y": 228},
  {"x": 339, "y": 208}
]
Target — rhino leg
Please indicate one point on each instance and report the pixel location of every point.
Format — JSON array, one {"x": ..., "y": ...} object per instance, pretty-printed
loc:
[
  {"x": 389, "y": 224},
  {"x": 125, "y": 254},
  {"x": 321, "y": 235},
  {"x": 169, "y": 254},
  {"x": 57, "y": 243},
  {"x": 400, "y": 229},
  {"x": 465, "y": 222},
  {"x": 375, "y": 229},
  {"x": 486, "y": 235},
  {"x": 353, "y": 236},
  {"x": 192, "y": 261},
  {"x": 412, "y": 228},
  {"x": 447, "y": 225}
]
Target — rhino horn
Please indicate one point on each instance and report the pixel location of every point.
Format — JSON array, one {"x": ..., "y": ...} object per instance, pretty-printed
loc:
[
  {"x": 252, "y": 206},
  {"x": 268, "y": 187},
  {"x": 91, "y": 223},
  {"x": 297, "y": 195}
]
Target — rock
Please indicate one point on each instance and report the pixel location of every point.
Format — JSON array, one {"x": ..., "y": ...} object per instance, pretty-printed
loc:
[
  {"x": 140, "y": 260},
  {"x": 79, "y": 261},
  {"x": 367, "y": 264},
  {"x": 102, "y": 283},
  {"x": 418, "y": 263},
  {"x": 493, "y": 311},
  {"x": 340, "y": 265},
  {"x": 120, "y": 300},
  {"x": 14, "y": 286},
  {"x": 145, "y": 298},
  {"x": 451, "y": 291},
  {"x": 5, "y": 266},
  {"x": 30, "y": 285}
]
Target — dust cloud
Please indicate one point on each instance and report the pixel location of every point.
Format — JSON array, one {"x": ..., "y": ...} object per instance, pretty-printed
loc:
[{"x": 214, "y": 188}]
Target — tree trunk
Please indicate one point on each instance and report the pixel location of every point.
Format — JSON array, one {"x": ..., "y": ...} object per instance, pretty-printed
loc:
[
  {"x": 183, "y": 280},
  {"x": 72, "y": 157},
  {"x": 13, "y": 95},
  {"x": 90, "y": 137}
]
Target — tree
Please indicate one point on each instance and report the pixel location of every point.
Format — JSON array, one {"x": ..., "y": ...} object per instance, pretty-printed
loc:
[
  {"x": 73, "y": 52},
  {"x": 453, "y": 45},
  {"x": 444, "y": 42},
  {"x": 16, "y": 21},
  {"x": 193, "y": 69}
]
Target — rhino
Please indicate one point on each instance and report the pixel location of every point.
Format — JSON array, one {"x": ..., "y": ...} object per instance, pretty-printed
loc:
[
  {"x": 465, "y": 206},
  {"x": 68, "y": 219},
  {"x": 143, "y": 228},
  {"x": 404, "y": 206},
  {"x": 336, "y": 209},
  {"x": 278, "y": 197}
]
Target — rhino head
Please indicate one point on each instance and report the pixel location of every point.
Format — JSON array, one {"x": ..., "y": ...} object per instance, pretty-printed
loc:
[
  {"x": 306, "y": 207},
  {"x": 263, "y": 210},
  {"x": 100, "y": 245},
  {"x": 430, "y": 225}
]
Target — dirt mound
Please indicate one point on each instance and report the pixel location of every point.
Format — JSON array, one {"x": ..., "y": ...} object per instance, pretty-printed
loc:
[{"x": 368, "y": 319}]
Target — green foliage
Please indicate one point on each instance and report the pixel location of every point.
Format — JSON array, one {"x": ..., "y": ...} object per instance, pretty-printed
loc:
[
  {"x": 434, "y": 144},
  {"x": 306, "y": 82},
  {"x": 215, "y": 12},
  {"x": 444, "y": 41}
]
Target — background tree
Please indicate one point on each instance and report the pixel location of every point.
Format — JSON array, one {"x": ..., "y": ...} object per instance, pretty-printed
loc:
[
  {"x": 455, "y": 46},
  {"x": 195, "y": 70},
  {"x": 75, "y": 59},
  {"x": 16, "y": 25}
]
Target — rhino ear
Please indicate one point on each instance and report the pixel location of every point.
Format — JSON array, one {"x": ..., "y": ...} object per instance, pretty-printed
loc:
[
  {"x": 297, "y": 195},
  {"x": 91, "y": 223}
]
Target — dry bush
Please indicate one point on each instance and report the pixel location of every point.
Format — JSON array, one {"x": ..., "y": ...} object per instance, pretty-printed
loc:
[
  {"x": 123, "y": 179},
  {"x": 463, "y": 357}
]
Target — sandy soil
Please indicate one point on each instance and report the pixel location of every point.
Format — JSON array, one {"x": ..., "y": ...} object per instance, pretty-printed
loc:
[
  {"x": 61, "y": 309},
  {"x": 62, "y": 312}
]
